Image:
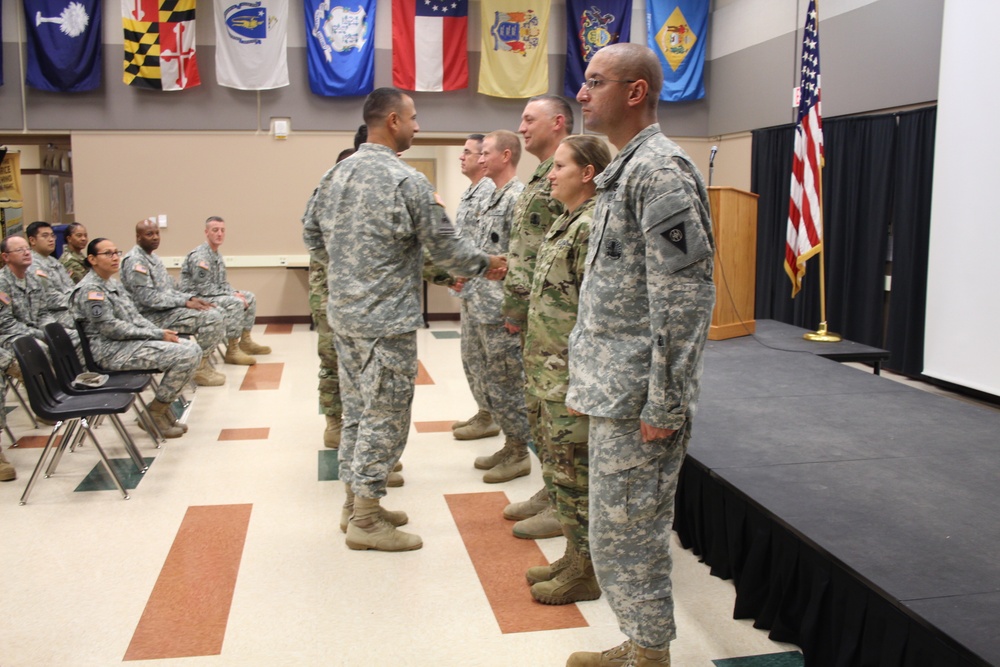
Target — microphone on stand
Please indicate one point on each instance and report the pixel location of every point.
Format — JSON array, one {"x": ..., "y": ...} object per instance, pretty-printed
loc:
[{"x": 711, "y": 163}]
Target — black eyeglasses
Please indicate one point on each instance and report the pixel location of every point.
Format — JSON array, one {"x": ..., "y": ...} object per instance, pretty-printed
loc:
[
  {"x": 110, "y": 253},
  {"x": 594, "y": 83}
]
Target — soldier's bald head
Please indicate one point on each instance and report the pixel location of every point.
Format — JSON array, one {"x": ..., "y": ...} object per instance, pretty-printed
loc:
[{"x": 631, "y": 62}]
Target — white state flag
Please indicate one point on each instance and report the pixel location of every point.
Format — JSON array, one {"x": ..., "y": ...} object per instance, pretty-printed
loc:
[{"x": 251, "y": 44}]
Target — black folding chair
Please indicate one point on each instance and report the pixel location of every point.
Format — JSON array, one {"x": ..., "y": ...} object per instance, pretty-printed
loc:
[{"x": 49, "y": 401}]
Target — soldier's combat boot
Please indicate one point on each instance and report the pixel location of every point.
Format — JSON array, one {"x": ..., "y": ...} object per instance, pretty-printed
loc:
[
  {"x": 613, "y": 657},
  {"x": 543, "y": 525},
  {"x": 488, "y": 462},
  {"x": 7, "y": 472},
  {"x": 248, "y": 345},
  {"x": 14, "y": 371},
  {"x": 331, "y": 436},
  {"x": 234, "y": 355},
  {"x": 647, "y": 657},
  {"x": 395, "y": 518},
  {"x": 394, "y": 480},
  {"x": 466, "y": 422},
  {"x": 368, "y": 529},
  {"x": 206, "y": 376},
  {"x": 516, "y": 463},
  {"x": 164, "y": 419},
  {"x": 574, "y": 583},
  {"x": 546, "y": 572},
  {"x": 480, "y": 426},
  {"x": 527, "y": 508}
]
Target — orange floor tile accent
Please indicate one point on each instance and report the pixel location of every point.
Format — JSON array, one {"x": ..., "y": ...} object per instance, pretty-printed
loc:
[
  {"x": 423, "y": 377},
  {"x": 434, "y": 427},
  {"x": 187, "y": 612},
  {"x": 244, "y": 433},
  {"x": 35, "y": 441},
  {"x": 262, "y": 377},
  {"x": 278, "y": 328},
  {"x": 501, "y": 560}
]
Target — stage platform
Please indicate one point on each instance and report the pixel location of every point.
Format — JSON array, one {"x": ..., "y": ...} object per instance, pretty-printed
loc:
[{"x": 858, "y": 517}]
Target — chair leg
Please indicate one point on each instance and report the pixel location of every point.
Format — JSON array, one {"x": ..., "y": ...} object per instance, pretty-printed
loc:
[
  {"x": 130, "y": 446},
  {"x": 10, "y": 434},
  {"x": 70, "y": 437},
  {"x": 41, "y": 462},
  {"x": 104, "y": 458},
  {"x": 20, "y": 399}
]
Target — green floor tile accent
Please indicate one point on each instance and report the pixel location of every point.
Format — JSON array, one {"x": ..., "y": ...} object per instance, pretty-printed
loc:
[
  {"x": 446, "y": 334},
  {"x": 789, "y": 659},
  {"x": 329, "y": 465},
  {"x": 100, "y": 480},
  {"x": 7, "y": 409}
]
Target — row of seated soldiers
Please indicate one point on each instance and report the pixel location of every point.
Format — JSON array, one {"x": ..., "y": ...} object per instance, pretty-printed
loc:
[{"x": 144, "y": 321}]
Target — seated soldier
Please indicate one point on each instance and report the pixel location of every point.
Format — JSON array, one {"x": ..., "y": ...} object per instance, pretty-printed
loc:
[
  {"x": 156, "y": 296},
  {"x": 123, "y": 340},
  {"x": 204, "y": 274},
  {"x": 7, "y": 472},
  {"x": 73, "y": 252},
  {"x": 53, "y": 276}
]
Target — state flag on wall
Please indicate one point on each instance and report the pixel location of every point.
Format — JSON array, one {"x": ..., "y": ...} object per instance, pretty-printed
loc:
[
  {"x": 159, "y": 44},
  {"x": 251, "y": 44},
  {"x": 340, "y": 46},
  {"x": 515, "y": 52},
  {"x": 677, "y": 32},
  {"x": 430, "y": 45},
  {"x": 590, "y": 26},
  {"x": 64, "y": 45}
]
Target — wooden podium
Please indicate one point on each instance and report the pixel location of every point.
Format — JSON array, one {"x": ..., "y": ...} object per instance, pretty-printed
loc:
[{"x": 734, "y": 220}]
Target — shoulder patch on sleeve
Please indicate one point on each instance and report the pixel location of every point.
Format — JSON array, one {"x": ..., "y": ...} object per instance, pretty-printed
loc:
[
  {"x": 141, "y": 268},
  {"x": 5, "y": 298},
  {"x": 203, "y": 265},
  {"x": 41, "y": 274},
  {"x": 94, "y": 295}
]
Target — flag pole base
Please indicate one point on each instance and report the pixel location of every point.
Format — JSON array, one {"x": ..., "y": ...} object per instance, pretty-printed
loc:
[{"x": 822, "y": 335}]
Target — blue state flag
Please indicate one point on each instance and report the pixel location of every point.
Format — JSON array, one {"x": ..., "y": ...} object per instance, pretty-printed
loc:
[
  {"x": 64, "y": 44},
  {"x": 590, "y": 26},
  {"x": 678, "y": 31},
  {"x": 340, "y": 38}
]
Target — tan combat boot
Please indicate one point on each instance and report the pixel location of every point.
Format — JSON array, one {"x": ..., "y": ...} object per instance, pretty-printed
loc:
[
  {"x": 516, "y": 463},
  {"x": 234, "y": 355},
  {"x": 14, "y": 371},
  {"x": 395, "y": 480},
  {"x": 466, "y": 422},
  {"x": 543, "y": 525},
  {"x": 613, "y": 657},
  {"x": 546, "y": 572},
  {"x": 527, "y": 508},
  {"x": 164, "y": 419},
  {"x": 7, "y": 472},
  {"x": 331, "y": 436},
  {"x": 488, "y": 462},
  {"x": 575, "y": 583},
  {"x": 395, "y": 518},
  {"x": 647, "y": 657},
  {"x": 368, "y": 529},
  {"x": 206, "y": 376},
  {"x": 248, "y": 345},
  {"x": 480, "y": 426}
]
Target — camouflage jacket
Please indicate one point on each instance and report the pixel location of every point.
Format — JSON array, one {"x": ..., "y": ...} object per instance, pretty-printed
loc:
[
  {"x": 491, "y": 235},
  {"x": 535, "y": 211},
  {"x": 74, "y": 264},
  {"x": 374, "y": 214},
  {"x": 204, "y": 273},
  {"x": 54, "y": 278},
  {"x": 109, "y": 314},
  {"x": 555, "y": 293},
  {"x": 148, "y": 283},
  {"x": 647, "y": 296},
  {"x": 472, "y": 202},
  {"x": 24, "y": 306}
]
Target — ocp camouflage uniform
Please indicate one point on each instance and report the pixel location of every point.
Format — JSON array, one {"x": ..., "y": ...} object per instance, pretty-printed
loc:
[
  {"x": 635, "y": 356},
  {"x": 157, "y": 298},
  {"x": 123, "y": 340},
  {"x": 489, "y": 351},
  {"x": 374, "y": 213},
  {"x": 74, "y": 263},
  {"x": 24, "y": 308},
  {"x": 560, "y": 436},
  {"x": 57, "y": 284},
  {"x": 204, "y": 274}
]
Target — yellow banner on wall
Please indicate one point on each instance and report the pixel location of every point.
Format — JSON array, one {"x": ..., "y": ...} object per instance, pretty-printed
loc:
[
  {"x": 10, "y": 181},
  {"x": 515, "y": 54}
]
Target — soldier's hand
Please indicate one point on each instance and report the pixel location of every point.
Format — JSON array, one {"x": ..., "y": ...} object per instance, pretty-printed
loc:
[
  {"x": 498, "y": 268},
  {"x": 575, "y": 413},
  {"x": 170, "y": 336},
  {"x": 241, "y": 298},
  {"x": 195, "y": 303},
  {"x": 458, "y": 284},
  {"x": 511, "y": 327},
  {"x": 650, "y": 433}
]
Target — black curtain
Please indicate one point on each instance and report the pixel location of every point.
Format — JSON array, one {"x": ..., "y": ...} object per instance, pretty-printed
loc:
[{"x": 914, "y": 174}]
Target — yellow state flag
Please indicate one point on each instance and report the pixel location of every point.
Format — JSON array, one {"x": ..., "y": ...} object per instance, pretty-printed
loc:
[{"x": 515, "y": 53}]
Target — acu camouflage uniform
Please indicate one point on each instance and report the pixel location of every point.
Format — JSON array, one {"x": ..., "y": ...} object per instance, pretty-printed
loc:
[
  {"x": 123, "y": 340},
  {"x": 204, "y": 274},
  {"x": 24, "y": 308},
  {"x": 489, "y": 352},
  {"x": 157, "y": 298},
  {"x": 319, "y": 295},
  {"x": 74, "y": 264},
  {"x": 636, "y": 354},
  {"x": 560, "y": 436},
  {"x": 6, "y": 359},
  {"x": 374, "y": 213},
  {"x": 57, "y": 284}
]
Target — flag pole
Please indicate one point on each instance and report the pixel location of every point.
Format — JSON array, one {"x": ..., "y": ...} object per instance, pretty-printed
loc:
[{"x": 822, "y": 335}]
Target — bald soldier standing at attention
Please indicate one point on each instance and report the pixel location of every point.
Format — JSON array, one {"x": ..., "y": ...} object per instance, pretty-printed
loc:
[{"x": 636, "y": 351}]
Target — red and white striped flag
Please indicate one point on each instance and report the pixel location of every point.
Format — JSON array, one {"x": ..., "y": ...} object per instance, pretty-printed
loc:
[
  {"x": 805, "y": 208},
  {"x": 430, "y": 44}
]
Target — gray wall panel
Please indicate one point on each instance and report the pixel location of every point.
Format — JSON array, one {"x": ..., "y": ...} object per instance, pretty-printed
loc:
[
  {"x": 752, "y": 88},
  {"x": 10, "y": 91}
]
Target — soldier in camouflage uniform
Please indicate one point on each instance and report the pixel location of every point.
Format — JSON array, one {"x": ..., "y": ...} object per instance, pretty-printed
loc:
[
  {"x": 52, "y": 275},
  {"x": 7, "y": 472},
  {"x": 72, "y": 257},
  {"x": 156, "y": 296},
  {"x": 24, "y": 304},
  {"x": 204, "y": 274},
  {"x": 374, "y": 213},
  {"x": 123, "y": 340},
  {"x": 561, "y": 436},
  {"x": 545, "y": 121},
  {"x": 636, "y": 352}
]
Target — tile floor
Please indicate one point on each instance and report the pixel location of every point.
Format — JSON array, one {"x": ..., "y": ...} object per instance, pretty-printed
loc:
[{"x": 229, "y": 552}]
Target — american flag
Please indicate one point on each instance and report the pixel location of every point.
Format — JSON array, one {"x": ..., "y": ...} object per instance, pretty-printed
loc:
[{"x": 805, "y": 210}]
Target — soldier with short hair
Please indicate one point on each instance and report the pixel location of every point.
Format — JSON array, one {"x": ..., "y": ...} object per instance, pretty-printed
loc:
[
  {"x": 25, "y": 307},
  {"x": 72, "y": 256},
  {"x": 52, "y": 275}
]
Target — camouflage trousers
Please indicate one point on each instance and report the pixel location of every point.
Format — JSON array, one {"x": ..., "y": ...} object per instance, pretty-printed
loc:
[
  {"x": 561, "y": 439},
  {"x": 6, "y": 359},
  {"x": 239, "y": 317},
  {"x": 377, "y": 376},
  {"x": 329, "y": 380},
  {"x": 208, "y": 326},
  {"x": 632, "y": 488},
  {"x": 178, "y": 361},
  {"x": 494, "y": 356},
  {"x": 473, "y": 365}
]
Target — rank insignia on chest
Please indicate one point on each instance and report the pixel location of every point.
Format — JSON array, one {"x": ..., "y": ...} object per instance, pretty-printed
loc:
[
  {"x": 613, "y": 248},
  {"x": 141, "y": 268},
  {"x": 41, "y": 274},
  {"x": 675, "y": 235}
]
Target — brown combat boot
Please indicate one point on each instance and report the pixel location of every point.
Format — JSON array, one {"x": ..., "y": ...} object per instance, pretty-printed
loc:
[
  {"x": 515, "y": 463},
  {"x": 527, "y": 508},
  {"x": 234, "y": 355},
  {"x": 7, "y": 472},
  {"x": 543, "y": 525},
  {"x": 164, "y": 419},
  {"x": 547, "y": 572},
  {"x": 575, "y": 583},
  {"x": 395, "y": 518},
  {"x": 491, "y": 461},
  {"x": 480, "y": 426},
  {"x": 331, "y": 436},
  {"x": 466, "y": 422},
  {"x": 206, "y": 376},
  {"x": 613, "y": 657},
  {"x": 248, "y": 345},
  {"x": 368, "y": 529}
]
